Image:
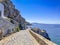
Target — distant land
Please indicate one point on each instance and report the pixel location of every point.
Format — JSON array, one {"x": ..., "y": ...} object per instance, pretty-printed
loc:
[{"x": 41, "y": 23}]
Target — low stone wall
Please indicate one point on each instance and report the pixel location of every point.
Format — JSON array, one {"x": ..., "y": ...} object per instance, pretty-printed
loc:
[{"x": 41, "y": 40}]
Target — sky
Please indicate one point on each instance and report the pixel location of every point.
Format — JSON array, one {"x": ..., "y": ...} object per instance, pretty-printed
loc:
[{"x": 39, "y": 11}]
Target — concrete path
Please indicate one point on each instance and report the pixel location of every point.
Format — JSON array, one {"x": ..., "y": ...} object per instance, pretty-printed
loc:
[{"x": 20, "y": 38}]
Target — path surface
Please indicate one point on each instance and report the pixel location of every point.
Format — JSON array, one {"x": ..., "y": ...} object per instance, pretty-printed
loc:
[{"x": 20, "y": 38}]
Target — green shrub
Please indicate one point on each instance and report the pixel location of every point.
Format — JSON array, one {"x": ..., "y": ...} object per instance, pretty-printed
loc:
[{"x": 17, "y": 29}]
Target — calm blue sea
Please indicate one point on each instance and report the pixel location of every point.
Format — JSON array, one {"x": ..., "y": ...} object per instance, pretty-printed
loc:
[{"x": 52, "y": 29}]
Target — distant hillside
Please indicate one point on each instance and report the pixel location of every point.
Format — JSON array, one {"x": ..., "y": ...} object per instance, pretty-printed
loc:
[{"x": 46, "y": 25}]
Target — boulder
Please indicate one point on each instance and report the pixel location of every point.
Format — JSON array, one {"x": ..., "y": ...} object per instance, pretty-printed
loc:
[{"x": 41, "y": 32}]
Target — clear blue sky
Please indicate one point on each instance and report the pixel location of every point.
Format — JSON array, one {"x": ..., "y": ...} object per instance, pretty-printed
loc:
[{"x": 40, "y": 11}]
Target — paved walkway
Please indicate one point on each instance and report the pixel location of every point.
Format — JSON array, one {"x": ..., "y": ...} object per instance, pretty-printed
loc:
[{"x": 20, "y": 38}]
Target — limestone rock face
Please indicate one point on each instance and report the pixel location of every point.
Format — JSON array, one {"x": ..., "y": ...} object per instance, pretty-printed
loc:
[
  {"x": 6, "y": 26},
  {"x": 11, "y": 12},
  {"x": 41, "y": 32}
]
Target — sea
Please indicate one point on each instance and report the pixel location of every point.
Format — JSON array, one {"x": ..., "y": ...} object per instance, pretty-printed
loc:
[{"x": 53, "y": 31}]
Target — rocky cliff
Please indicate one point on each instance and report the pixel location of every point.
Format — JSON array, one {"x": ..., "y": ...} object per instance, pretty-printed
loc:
[
  {"x": 6, "y": 27},
  {"x": 41, "y": 32},
  {"x": 11, "y": 12}
]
